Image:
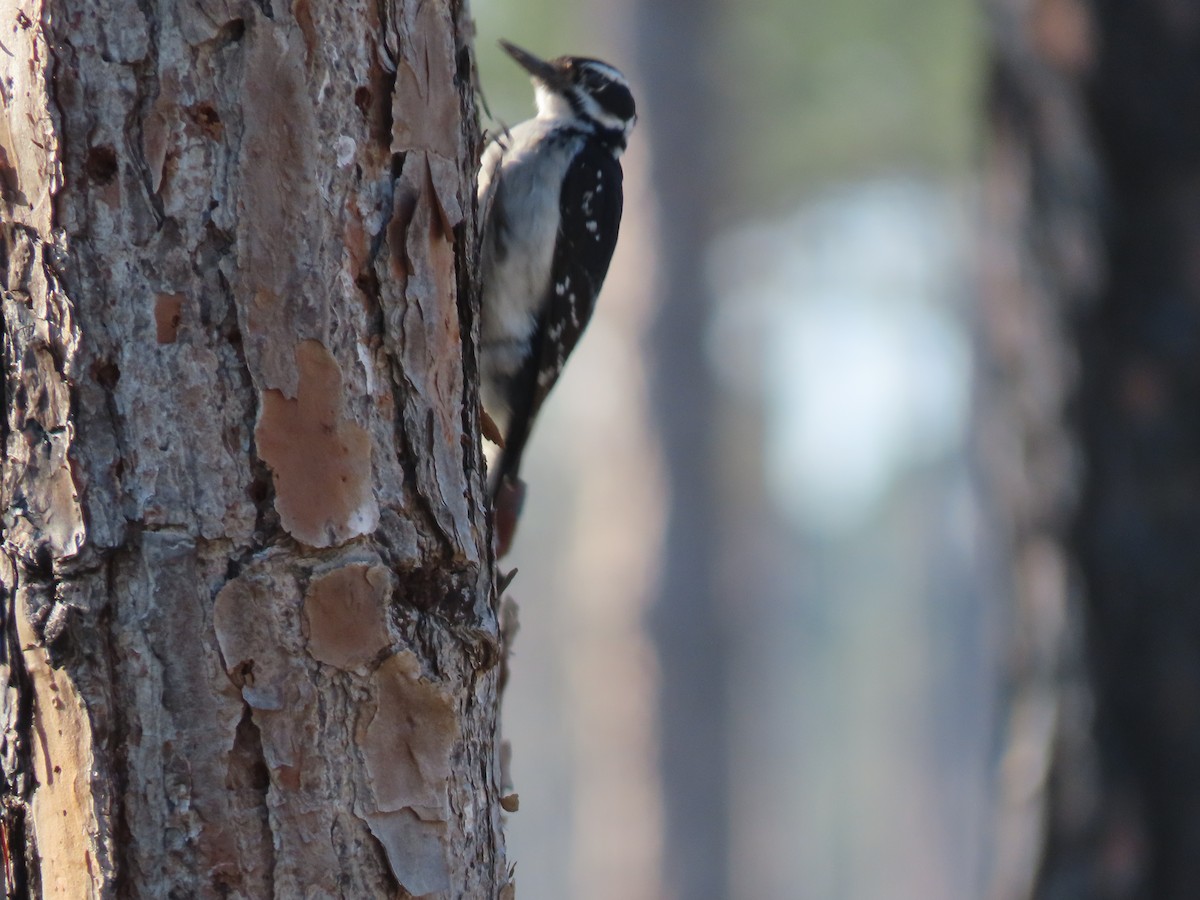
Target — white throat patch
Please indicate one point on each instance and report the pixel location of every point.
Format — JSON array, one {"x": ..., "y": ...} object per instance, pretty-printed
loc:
[{"x": 549, "y": 104}]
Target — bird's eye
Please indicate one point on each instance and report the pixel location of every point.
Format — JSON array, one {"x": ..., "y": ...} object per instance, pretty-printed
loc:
[{"x": 616, "y": 99}]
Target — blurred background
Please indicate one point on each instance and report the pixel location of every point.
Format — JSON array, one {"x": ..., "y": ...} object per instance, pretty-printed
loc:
[
  {"x": 871, "y": 438},
  {"x": 783, "y": 344}
]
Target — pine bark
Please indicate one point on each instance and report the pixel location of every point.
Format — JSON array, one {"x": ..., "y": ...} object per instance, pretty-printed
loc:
[{"x": 250, "y": 642}]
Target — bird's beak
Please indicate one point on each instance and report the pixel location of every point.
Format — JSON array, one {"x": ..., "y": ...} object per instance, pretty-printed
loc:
[{"x": 540, "y": 69}]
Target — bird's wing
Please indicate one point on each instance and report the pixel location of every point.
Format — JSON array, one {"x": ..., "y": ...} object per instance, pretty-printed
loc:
[
  {"x": 591, "y": 202},
  {"x": 487, "y": 181}
]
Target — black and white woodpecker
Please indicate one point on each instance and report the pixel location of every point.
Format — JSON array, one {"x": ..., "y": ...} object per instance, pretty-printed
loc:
[{"x": 550, "y": 201}]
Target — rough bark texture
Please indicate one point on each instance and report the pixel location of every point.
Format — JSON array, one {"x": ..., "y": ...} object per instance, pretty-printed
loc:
[
  {"x": 1094, "y": 325},
  {"x": 249, "y": 641}
]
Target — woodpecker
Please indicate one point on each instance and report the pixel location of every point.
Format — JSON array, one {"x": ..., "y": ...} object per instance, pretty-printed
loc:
[{"x": 550, "y": 201}]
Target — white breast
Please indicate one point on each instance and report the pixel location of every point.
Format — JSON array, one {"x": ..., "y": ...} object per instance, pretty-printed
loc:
[{"x": 519, "y": 183}]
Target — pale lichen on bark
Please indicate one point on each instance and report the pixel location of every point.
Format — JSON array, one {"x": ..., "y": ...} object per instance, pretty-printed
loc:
[{"x": 245, "y": 553}]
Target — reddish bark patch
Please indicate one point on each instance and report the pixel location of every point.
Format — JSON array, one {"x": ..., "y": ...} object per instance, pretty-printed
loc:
[
  {"x": 408, "y": 742},
  {"x": 345, "y": 616},
  {"x": 168, "y": 313},
  {"x": 407, "y": 748},
  {"x": 320, "y": 461}
]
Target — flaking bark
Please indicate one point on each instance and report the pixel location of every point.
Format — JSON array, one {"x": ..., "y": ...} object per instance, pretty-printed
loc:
[{"x": 249, "y": 638}]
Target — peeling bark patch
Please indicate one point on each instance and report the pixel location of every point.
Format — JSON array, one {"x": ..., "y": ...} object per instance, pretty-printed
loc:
[
  {"x": 27, "y": 130},
  {"x": 430, "y": 356},
  {"x": 250, "y": 638},
  {"x": 345, "y": 614},
  {"x": 424, "y": 116},
  {"x": 425, "y": 111},
  {"x": 277, "y": 168},
  {"x": 415, "y": 850},
  {"x": 254, "y": 631},
  {"x": 408, "y": 741},
  {"x": 168, "y": 313},
  {"x": 51, "y": 517},
  {"x": 63, "y": 807},
  {"x": 184, "y": 738},
  {"x": 257, "y": 625},
  {"x": 320, "y": 461},
  {"x": 407, "y": 749},
  {"x": 46, "y": 515}
]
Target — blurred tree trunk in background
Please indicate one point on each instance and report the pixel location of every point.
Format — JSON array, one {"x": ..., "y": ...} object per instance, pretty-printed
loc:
[
  {"x": 676, "y": 43},
  {"x": 248, "y": 641},
  {"x": 1092, "y": 324}
]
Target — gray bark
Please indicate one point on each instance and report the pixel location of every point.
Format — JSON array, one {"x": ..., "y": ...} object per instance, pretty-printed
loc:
[{"x": 249, "y": 636}]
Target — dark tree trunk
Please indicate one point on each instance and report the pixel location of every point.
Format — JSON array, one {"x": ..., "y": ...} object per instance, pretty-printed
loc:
[
  {"x": 673, "y": 38},
  {"x": 1095, "y": 331},
  {"x": 249, "y": 638}
]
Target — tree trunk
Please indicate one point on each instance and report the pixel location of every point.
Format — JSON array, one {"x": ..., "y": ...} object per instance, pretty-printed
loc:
[
  {"x": 1094, "y": 328},
  {"x": 687, "y": 621},
  {"x": 249, "y": 636}
]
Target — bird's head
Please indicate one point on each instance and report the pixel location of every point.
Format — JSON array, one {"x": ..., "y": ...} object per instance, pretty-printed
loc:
[{"x": 575, "y": 87}]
